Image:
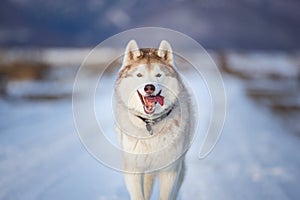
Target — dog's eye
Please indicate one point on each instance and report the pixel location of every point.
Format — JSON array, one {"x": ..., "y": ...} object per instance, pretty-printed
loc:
[
  {"x": 139, "y": 75},
  {"x": 158, "y": 75}
]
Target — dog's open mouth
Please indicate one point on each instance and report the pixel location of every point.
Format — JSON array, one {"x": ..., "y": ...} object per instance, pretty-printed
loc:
[{"x": 149, "y": 102}]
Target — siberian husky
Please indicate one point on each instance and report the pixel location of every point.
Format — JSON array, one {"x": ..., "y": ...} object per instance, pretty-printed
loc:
[{"x": 154, "y": 120}]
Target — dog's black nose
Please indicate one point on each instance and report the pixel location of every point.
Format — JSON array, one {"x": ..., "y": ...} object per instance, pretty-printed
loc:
[{"x": 149, "y": 88}]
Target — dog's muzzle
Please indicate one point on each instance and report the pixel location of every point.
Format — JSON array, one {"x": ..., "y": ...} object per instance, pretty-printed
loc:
[{"x": 149, "y": 101}]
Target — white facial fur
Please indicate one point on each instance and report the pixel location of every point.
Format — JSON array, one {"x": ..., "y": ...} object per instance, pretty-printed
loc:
[
  {"x": 136, "y": 77},
  {"x": 127, "y": 88}
]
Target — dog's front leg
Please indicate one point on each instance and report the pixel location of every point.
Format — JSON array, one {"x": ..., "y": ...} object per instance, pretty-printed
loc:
[
  {"x": 148, "y": 185},
  {"x": 167, "y": 181},
  {"x": 134, "y": 184},
  {"x": 170, "y": 181}
]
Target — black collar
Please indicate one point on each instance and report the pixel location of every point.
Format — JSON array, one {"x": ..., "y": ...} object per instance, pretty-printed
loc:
[{"x": 149, "y": 122}]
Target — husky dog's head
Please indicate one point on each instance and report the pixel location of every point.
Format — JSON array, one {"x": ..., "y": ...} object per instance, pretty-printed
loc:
[{"x": 148, "y": 82}]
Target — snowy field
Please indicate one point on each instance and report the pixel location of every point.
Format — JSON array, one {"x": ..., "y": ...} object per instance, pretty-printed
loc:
[{"x": 41, "y": 156}]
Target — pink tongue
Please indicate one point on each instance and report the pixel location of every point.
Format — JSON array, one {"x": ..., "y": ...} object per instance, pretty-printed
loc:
[
  {"x": 160, "y": 100},
  {"x": 153, "y": 99}
]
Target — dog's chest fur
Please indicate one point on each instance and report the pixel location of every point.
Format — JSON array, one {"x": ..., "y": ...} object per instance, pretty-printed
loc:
[
  {"x": 170, "y": 137},
  {"x": 135, "y": 137}
]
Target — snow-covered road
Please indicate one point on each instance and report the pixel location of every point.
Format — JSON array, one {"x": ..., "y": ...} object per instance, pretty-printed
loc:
[{"x": 41, "y": 156}]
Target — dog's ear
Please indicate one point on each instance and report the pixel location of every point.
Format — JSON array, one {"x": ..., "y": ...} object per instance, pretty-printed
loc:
[
  {"x": 165, "y": 52},
  {"x": 132, "y": 52}
]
